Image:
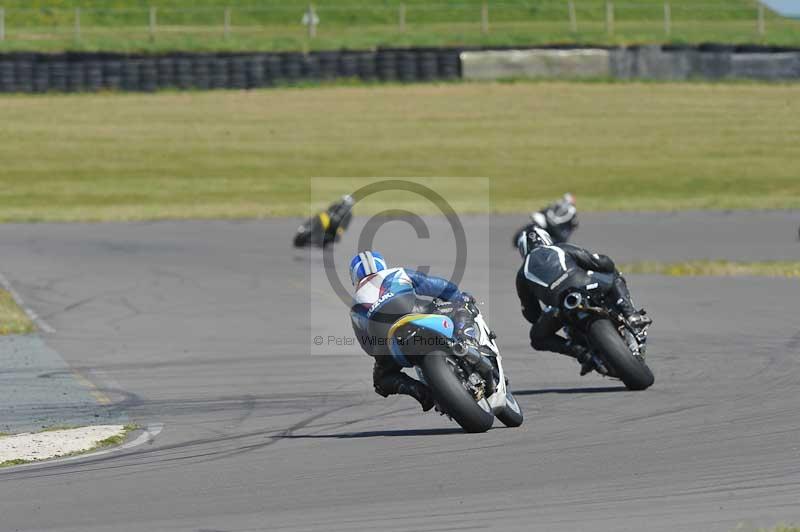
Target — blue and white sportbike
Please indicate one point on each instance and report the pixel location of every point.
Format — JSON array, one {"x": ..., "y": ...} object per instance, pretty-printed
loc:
[{"x": 463, "y": 368}]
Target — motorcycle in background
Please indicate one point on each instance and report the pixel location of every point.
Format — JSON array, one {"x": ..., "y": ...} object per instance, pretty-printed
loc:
[
  {"x": 559, "y": 219},
  {"x": 327, "y": 226}
]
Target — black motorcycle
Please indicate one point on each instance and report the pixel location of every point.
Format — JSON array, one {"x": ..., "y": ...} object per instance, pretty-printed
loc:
[
  {"x": 618, "y": 349},
  {"x": 327, "y": 226},
  {"x": 560, "y": 220}
]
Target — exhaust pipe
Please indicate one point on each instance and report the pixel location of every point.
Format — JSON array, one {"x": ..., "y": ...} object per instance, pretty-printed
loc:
[
  {"x": 484, "y": 367},
  {"x": 573, "y": 300}
]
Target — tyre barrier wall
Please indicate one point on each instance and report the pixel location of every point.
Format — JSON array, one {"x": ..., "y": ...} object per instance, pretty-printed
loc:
[
  {"x": 73, "y": 72},
  {"x": 709, "y": 61},
  {"x": 712, "y": 62},
  {"x": 21, "y": 72}
]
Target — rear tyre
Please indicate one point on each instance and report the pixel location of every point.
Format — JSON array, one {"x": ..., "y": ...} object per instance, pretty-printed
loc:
[
  {"x": 301, "y": 238},
  {"x": 309, "y": 233},
  {"x": 453, "y": 396},
  {"x": 629, "y": 368},
  {"x": 511, "y": 415}
]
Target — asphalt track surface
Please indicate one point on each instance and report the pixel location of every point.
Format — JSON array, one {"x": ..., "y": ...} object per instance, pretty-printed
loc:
[{"x": 206, "y": 327}]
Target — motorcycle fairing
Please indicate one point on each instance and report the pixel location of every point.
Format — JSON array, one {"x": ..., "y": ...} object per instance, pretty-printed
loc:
[
  {"x": 437, "y": 323},
  {"x": 325, "y": 220}
]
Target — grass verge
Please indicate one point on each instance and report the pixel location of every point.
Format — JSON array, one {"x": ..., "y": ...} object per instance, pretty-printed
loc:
[
  {"x": 18, "y": 461},
  {"x": 235, "y": 154},
  {"x": 119, "y": 439},
  {"x": 123, "y": 25},
  {"x": 13, "y": 319},
  {"x": 271, "y": 38},
  {"x": 716, "y": 268}
]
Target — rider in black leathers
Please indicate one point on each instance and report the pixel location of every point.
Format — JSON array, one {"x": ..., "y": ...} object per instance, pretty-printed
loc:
[
  {"x": 560, "y": 219},
  {"x": 546, "y": 267}
]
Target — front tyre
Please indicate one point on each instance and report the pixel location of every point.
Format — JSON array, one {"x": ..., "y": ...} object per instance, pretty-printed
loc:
[
  {"x": 511, "y": 414},
  {"x": 629, "y": 368},
  {"x": 452, "y": 395}
]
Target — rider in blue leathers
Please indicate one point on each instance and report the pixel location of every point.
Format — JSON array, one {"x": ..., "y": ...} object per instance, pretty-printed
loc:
[{"x": 384, "y": 295}]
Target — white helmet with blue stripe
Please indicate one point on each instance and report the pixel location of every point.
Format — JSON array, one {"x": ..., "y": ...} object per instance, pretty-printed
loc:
[{"x": 366, "y": 263}]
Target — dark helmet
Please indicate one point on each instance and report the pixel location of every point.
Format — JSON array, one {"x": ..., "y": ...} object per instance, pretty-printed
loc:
[{"x": 531, "y": 239}]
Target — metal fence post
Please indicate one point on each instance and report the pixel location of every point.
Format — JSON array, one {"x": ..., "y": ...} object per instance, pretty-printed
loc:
[
  {"x": 610, "y": 18},
  {"x": 762, "y": 30},
  {"x": 153, "y": 22},
  {"x": 401, "y": 15},
  {"x": 312, "y": 28},
  {"x": 667, "y": 19},
  {"x": 77, "y": 24},
  {"x": 485, "y": 18},
  {"x": 227, "y": 24},
  {"x": 573, "y": 17},
  {"x": 2, "y": 24}
]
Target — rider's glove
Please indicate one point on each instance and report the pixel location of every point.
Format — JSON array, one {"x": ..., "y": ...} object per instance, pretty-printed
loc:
[
  {"x": 466, "y": 297},
  {"x": 467, "y": 301}
]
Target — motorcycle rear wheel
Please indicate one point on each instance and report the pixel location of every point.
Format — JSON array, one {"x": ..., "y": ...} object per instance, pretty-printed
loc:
[
  {"x": 630, "y": 369},
  {"x": 301, "y": 239},
  {"x": 452, "y": 395}
]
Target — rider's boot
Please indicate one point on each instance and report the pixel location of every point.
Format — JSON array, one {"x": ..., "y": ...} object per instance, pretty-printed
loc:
[
  {"x": 418, "y": 391},
  {"x": 400, "y": 383},
  {"x": 637, "y": 318},
  {"x": 584, "y": 357}
]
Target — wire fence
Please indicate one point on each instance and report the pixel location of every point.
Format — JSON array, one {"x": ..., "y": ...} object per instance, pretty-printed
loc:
[{"x": 385, "y": 23}]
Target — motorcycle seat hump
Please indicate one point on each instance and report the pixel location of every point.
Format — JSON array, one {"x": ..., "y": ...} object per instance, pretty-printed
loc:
[{"x": 551, "y": 271}]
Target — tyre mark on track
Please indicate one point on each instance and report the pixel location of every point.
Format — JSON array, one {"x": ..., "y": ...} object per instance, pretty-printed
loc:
[
  {"x": 660, "y": 413},
  {"x": 274, "y": 436},
  {"x": 165, "y": 454},
  {"x": 794, "y": 343}
]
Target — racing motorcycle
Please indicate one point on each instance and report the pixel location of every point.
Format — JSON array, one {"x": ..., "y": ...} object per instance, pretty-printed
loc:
[
  {"x": 464, "y": 371},
  {"x": 560, "y": 220},
  {"x": 327, "y": 226},
  {"x": 618, "y": 349}
]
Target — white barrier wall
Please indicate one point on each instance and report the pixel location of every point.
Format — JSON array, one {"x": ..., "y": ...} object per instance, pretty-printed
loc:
[{"x": 560, "y": 64}]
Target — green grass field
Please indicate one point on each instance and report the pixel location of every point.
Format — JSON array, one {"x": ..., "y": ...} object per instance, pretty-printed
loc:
[
  {"x": 122, "y": 25},
  {"x": 716, "y": 268},
  {"x": 13, "y": 319},
  {"x": 250, "y": 154}
]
